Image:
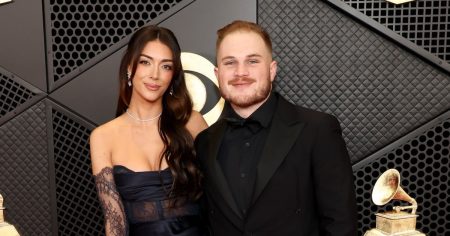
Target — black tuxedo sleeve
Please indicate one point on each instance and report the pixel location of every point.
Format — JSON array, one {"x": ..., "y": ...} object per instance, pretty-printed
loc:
[{"x": 333, "y": 181}]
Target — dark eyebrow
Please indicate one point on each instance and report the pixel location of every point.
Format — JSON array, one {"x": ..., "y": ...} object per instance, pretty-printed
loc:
[{"x": 151, "y": 58}]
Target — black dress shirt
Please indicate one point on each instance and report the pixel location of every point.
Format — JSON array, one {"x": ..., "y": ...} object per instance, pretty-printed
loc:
[{"x": 241, "y": 149}]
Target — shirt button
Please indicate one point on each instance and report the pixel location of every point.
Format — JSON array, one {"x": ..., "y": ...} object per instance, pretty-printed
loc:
[
  {"x": 242, "y": 175},
  {"x": 247, "y": 144}
]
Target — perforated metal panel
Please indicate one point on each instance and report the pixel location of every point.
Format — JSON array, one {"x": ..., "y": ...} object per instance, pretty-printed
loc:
[
  {"x": 329, "y": 62},
  {"x": 426, "y": 23},
  {"x": 12, "y": 94},
  {"x": 25, "y": 183},
  {"x": 82, "y": 29},
  {"x": 78, "y": 208},
  {"x": 423, "y": 163},
  {"x": 16, "y": 95}
]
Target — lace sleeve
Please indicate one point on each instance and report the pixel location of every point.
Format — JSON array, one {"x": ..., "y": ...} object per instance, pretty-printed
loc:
[{"x": 115, "y": 220}]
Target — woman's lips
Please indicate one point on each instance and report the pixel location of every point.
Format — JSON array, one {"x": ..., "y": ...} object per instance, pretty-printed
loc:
[{"x": 152, "y": 87}]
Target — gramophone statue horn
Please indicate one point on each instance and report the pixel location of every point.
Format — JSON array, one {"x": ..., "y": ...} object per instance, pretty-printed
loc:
[
  {"x": 5, "y": 228},
  {"x": 388, "y": 187},
  {"x": 397, "y": 222}
]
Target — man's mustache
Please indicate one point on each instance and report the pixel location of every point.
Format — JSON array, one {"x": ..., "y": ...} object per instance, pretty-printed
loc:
[{"x": 241, "y": 80}]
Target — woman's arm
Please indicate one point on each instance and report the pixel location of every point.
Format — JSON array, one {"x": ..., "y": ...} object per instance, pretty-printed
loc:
[{"x": 114, "y": 215}]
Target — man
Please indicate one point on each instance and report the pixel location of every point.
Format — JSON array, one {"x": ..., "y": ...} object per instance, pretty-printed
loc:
[{"x": 271, "y": 168}]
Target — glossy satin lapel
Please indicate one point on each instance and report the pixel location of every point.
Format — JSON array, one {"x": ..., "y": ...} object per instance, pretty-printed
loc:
[
  {"x": 215, "y": 171},
  {"x": 280, "y": 139}
]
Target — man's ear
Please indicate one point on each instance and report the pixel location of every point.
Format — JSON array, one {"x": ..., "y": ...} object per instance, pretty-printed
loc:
[
  {"x": 216, "y": 72},
  {"x": 273, "y": 70}
]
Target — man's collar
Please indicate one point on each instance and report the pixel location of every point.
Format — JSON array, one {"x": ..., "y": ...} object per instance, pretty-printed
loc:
[
  {"x": 263, "y": 115},
  {"x": 265, "y": 112}
]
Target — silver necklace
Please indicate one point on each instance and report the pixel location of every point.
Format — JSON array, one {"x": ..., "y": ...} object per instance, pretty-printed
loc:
[{"x": 142, "y": 120}]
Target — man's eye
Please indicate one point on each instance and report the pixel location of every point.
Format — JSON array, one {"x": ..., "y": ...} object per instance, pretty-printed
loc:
[
  {"x": 227, "y": 63},
  {"x": 253, "y": 61}
]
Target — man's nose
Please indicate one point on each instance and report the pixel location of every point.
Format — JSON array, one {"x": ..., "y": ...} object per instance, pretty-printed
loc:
[{"x": 241, "y": 70}]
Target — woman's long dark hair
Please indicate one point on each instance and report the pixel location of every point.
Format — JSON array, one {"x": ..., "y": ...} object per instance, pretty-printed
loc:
[{"x": 177, "y": 107}]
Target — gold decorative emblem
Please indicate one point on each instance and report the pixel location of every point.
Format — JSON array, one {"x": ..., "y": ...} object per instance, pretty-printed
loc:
[
  {"x": 399, "y": 1},
  {"x": 5, "y": 1},
  {"x": 203, "y": 86}
]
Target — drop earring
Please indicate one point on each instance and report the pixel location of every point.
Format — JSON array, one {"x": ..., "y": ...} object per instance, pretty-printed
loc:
[
  {"x": 171, "y": 91},
  {"x": 129, "y": 79}
]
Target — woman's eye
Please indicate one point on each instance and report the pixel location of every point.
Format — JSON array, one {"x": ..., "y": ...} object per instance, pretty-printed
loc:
[
  {"x": 144, "y": 62},
  {"x": 167, "y": 67}
]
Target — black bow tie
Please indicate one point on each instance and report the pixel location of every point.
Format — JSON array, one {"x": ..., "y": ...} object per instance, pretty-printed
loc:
[
  {"x": 235, "y": 121},
  {"x": 253, "y": 125}
]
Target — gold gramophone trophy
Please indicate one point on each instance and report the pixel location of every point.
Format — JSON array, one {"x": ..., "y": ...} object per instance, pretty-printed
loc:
[
  {"x": 5, "y": 228},
  {"x": 397, "y": 222}
]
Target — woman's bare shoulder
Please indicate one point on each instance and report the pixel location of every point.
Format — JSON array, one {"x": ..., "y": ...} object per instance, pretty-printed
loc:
[
  {"x": 101, "y": 144},
  {"x": 196, "y": 124},
  {"x": 106, "y": 130},
  {"x": 108, "y": 133}
]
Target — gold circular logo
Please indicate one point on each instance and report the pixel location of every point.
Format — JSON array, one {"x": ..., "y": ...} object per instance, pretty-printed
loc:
[{"x": 203, "y": 86}]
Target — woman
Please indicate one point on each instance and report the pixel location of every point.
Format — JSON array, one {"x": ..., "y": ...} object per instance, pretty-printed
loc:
[{"x": 143, "y": 160}]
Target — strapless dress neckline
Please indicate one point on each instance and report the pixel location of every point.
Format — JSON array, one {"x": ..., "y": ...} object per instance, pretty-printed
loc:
[
  {"x": 149, "y": 206},
  {"x": 126, "y": 169}
]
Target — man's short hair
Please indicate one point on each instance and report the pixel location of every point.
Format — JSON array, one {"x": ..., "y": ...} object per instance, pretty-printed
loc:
[{"x": 239, "y": 25}]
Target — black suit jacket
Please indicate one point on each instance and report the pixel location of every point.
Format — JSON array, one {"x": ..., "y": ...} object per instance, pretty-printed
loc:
[{"x": 304, "y": 184}]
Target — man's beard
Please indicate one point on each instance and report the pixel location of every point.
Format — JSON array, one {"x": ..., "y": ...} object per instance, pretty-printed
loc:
[{"x": 248, "y": 100}]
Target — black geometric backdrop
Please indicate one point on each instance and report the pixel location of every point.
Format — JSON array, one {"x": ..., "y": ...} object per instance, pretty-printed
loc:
[
  {"x": 12, "y": 94},
  {"x": 82, "y": 29},
  {"x": 15, "y": 95},
  {"x": 24, "y": 164},
  {"x": 423, "y": 160},
  {"x": 79, "y": 211},
  {"x": 377, "y": 89},
  {"x": 424, "y": 22},
  {"x": 329, "y": 62},
  {"x": 386, "y": 97}
]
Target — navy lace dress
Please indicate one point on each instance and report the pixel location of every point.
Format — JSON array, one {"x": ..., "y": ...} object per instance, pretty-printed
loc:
[{"x": 148, "y": 209}]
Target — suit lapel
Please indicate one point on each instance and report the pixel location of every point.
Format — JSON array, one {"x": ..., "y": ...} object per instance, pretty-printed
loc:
[
  {"x": 282, "y": 135},
  {"x": 219, "y": 183}
]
